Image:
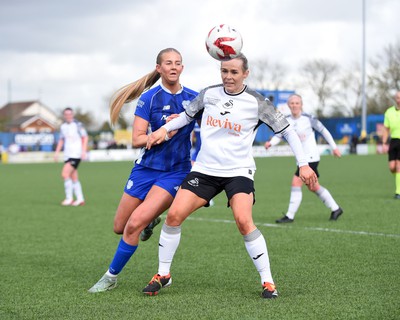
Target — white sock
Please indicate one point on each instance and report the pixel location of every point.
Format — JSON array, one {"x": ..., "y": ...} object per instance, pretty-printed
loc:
[
  {"x": 78, "y": 190},
  {"x": 296, "y": 196},
  {"x": 110, "y": 275},
  {"x": 258, "y": 252},
  {"x": 168, "y": 244},
  {"x": 68, "y": 189},
  {"x": 327, "y": 198}
]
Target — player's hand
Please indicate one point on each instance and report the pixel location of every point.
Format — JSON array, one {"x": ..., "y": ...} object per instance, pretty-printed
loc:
[
  {"x": 336, "y": 153},
  {"x": 169, "y": 118},
  {"x": 308, "y": 176},
  {"x": 385, "y": 148},
  {"x": 172, "y": 117},
  {"x": 156, "y": 137},
  {"x": 267, "y": 145}
]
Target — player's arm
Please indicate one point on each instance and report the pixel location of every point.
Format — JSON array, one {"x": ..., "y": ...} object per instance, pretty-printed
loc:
[
  {"x": 307, "y": 175},
  {"x": 276, "y": 139},
  {"x": 85, "y": 140},
  {"x": 385, "y": 138},
  {"x": 60, "y": 144},
  {"x": 161, "y": 135},
  {"x": 385, "y": 135},
  {"x": 319, "y": 127},
  {"x": 139, "y": 132}
]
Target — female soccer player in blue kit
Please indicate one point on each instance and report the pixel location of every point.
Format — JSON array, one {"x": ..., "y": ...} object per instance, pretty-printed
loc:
[{"x": 158, "y": 173}]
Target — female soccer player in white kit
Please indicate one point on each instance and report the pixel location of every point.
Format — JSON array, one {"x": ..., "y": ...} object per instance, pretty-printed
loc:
[
  {"x": 74, "y": 139},
  {"x": 305, "y": 125},
  {"x": 231, "y": 115}
]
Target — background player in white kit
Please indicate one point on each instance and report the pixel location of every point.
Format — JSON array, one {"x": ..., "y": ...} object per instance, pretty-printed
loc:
[
  {"x": 231, "y": 115},
  {"x": 305, "y": 125},
  {"x": 74, "y": 139}
]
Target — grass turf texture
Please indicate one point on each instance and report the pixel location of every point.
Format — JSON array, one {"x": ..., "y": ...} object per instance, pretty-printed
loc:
[{"x": 349, "y": 269}]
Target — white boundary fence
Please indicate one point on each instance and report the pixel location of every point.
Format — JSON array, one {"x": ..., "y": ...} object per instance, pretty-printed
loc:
[{"x": 132, "y": 154}]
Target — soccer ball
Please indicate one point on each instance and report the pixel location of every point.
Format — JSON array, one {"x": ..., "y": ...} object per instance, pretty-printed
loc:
[{"x": 224, "y": 42}]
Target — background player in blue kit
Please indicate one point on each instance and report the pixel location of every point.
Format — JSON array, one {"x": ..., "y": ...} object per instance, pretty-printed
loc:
[{"x": 158, "y": 173}]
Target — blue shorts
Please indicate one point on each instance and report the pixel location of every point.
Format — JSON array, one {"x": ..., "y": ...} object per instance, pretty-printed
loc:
[{"x": 142, "y": 179}]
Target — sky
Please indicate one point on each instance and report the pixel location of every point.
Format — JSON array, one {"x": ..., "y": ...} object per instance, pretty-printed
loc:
[{"x": 77, "y": 53}]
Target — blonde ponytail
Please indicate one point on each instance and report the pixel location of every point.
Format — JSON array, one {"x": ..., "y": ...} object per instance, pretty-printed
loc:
[{"x": 130, "y": 92}]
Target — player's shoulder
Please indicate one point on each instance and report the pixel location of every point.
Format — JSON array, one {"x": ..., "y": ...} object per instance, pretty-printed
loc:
[
  {"x": 309, "y": 117},
  {"x": 77, "y": 123},
  {"x": 214, "y": 87},
  {"x": 189, "y": 91},
  {"x": 148, "y": 95},
  {"x": 390, "y": 110},
  {"x": 255, "y": 93},
  {"x": 151, "y": 92},
  {"x": 63, "y": 126}
]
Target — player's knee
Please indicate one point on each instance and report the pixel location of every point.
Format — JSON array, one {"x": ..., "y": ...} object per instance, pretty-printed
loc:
[
  {"x": 173, "y": 218},
  {"x": 133, "y": 227},
  {"x": 118, "y": 227},
  {"x": 244, "y": 225}
]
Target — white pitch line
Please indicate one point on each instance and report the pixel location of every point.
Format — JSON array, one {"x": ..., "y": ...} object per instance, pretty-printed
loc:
[{"x": 362, "y": 233}]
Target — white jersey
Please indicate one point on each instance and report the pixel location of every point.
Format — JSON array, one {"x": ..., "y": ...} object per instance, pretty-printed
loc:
[
  {"x": 228, "y": 127},
  {"x": 72, "y": 134},
  {"x": 305, "y": 127}
]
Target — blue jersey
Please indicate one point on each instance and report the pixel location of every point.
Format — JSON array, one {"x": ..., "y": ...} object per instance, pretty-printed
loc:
[
  {"x": 154, "y": 106},
  {"x": 196, "y": 143}
]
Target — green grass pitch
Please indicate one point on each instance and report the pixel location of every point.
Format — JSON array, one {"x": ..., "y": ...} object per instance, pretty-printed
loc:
[{"x": 349, "y": 269}]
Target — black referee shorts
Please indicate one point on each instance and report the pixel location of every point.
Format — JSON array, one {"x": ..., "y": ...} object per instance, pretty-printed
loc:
[{"x": 394, "y": 149}]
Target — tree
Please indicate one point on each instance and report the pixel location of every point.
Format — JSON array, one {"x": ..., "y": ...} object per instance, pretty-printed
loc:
[
  {"x": 106, "y": 126},
  {"x": 384, "y": 80},
  {"x": 266, "y": 75},
  {"x": 85, "y": 117},
  {"x": 349, "y": 98},
  {"x": 320, "y": 76}
]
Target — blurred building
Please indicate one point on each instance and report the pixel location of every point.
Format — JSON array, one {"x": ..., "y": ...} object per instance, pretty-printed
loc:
[{"x": 28, "y": 117}]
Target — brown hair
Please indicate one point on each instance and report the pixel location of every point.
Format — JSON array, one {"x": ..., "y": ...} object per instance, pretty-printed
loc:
[
  {"x": 245, "y": 62},
  {"x": 133, "y": 90}
]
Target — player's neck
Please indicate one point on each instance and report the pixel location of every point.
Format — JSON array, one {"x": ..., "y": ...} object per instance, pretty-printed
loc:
[{"x": 173, "y": 88}]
